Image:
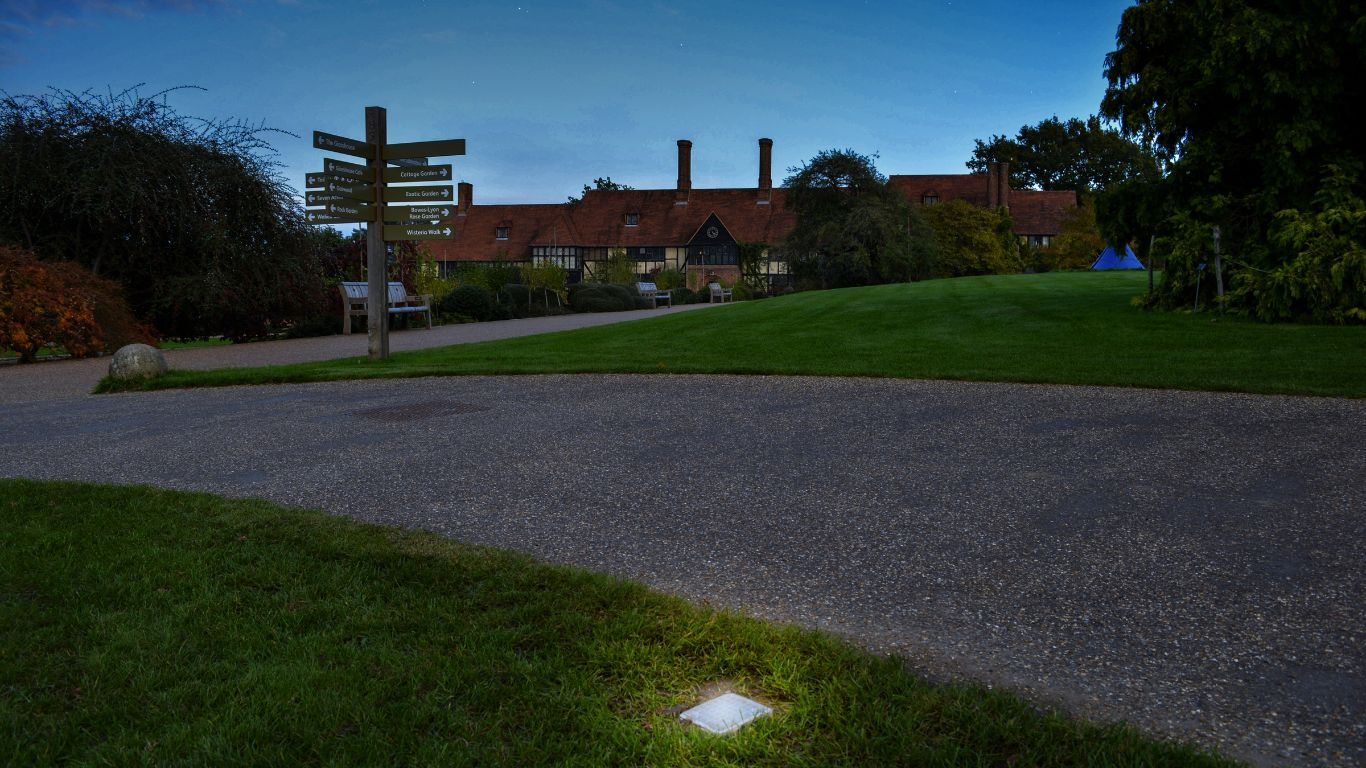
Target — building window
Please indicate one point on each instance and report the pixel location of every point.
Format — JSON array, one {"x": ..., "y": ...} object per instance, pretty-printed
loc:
[
  {"x": 930, "y": 199},
  {"x": 711, "y": 255},
  {"x": 647, "y": 253},
  {"x": 1038, "y": 241},
  {"x": 501, "y": 233},
  {"x": 632, "y": 219},
  {"x": 566, "y": 256}
]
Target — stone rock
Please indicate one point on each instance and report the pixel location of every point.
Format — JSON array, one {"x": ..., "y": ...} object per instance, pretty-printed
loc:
[{"x": 137, "y": 361}]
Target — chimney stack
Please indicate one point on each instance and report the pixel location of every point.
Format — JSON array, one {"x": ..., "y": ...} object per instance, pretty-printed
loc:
[
  {"x": 684, "y": 172},
  {"x": 464, "y": 198},
  {"x": 998, "y": 185},
  {"x": 765, "y": 170},
  {"x": 1003, "y": 192}
]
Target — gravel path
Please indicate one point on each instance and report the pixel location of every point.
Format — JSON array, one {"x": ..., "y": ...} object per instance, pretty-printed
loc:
[
  {"x": 70, "y": 378},
  {"x": 1189, "y": 562}
]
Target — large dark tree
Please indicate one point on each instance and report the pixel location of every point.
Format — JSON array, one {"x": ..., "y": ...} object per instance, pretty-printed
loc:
[
  {"x": 1079, "y": 155},
  {"x": 1254, "y": 105},
  {"x": 852, "y": 227},
  {"x": 189, "y": 215}
]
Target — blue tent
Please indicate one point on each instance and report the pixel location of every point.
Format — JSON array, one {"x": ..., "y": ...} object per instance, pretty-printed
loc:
[{"x": 1108, "y": 259}]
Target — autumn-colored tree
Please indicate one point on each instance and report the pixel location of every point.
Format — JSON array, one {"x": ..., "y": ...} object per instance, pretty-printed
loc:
[{"x": 59, "y": 303}]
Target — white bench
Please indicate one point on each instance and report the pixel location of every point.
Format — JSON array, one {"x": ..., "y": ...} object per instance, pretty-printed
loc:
[
  {"x": 717, "y": 292},
  {"x": 355, "y": 302},
  {"x": 651, "y": 291}
]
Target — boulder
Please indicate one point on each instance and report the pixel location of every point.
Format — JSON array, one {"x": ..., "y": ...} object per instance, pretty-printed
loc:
[{"x": 137, "y": 361}]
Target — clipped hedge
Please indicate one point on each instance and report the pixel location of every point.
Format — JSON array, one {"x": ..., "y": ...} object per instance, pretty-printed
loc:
[{"x": 605, "y": 297}]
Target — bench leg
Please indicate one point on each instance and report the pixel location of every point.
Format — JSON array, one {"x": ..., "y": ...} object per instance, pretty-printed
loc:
[{"x": 346, "y": 322}]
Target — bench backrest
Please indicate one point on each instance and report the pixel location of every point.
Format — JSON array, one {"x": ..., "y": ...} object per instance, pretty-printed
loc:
[
  {"x": 646, "y": 288},
  {"x": 716, "y": 288},
  {"x": 360, "y": 291}
]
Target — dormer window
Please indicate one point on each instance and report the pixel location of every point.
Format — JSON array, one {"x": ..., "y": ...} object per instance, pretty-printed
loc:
[
  {"x": 501, "y": 233},
  {"x": 632, "y": 219}
]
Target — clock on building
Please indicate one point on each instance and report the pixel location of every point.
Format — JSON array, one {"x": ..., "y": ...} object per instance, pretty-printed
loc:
[{"x": 713, "y": 233}]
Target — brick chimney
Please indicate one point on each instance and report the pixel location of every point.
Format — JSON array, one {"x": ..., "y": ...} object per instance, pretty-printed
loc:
[
  {"x": 998, "y": 185},
  {"x": 1003, "y": 191},
  {"x": 765, "y": 171},
  {"x": 465, "y": 198},
  {"x": 684, "y": 172}
]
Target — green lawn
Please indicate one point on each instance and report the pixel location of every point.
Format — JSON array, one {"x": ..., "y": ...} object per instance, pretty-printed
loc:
[
  {"x": 1064, "y": 328},
  {"x": 141, "y": 626}
]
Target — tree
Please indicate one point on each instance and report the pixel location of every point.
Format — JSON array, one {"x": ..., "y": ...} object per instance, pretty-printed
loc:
[
  {"x": 1258, "y": 117},
  {"x": 600, "y": 184},
  {"x": 971, "y": 240},
  {"x": 188, "y": 215},
  {"x": 852, "y": 227},
  {"x": 1077, "y": 243},
  {"x": 1078, "y": 155}
]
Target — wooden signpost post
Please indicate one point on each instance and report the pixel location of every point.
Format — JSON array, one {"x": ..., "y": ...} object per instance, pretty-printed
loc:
[{"x": 350, "y": 192}]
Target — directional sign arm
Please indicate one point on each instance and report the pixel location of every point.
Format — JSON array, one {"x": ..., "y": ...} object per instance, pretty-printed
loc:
[{"x": 424, "y": 148}]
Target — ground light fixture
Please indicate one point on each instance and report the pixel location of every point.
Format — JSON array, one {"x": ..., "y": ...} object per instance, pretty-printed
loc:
[{"x": 725, "y": 713}]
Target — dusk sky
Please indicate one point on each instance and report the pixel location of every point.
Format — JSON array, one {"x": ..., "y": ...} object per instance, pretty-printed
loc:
[{"x": 551, "y": 95}]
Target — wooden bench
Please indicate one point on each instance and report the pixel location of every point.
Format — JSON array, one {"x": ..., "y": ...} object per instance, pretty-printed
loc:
[
  {"x": 717, "y": 292},
  {"x": 651, "y": 291},
  {"x": 355, "y": 302}
]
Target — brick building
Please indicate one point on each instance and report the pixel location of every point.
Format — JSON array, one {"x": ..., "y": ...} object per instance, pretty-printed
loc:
[{"x": 696, "y": 231}]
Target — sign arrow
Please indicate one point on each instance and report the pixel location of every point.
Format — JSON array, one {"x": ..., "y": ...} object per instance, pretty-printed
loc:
[
  {"x": 347, "y": 172},
  {"x": 416, "y": 194},
  {"x": 428, "y": 173},
  {"x": 410, "y": 232},
  {"x": 357, "y": 191},
  {"x": 417, "y": 213},
  {"x": 321, "y": 217},
  {"x": 335, "y": 143}
]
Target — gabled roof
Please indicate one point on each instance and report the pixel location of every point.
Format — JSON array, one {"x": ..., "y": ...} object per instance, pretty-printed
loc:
[{"x": 1040, "y": 213}]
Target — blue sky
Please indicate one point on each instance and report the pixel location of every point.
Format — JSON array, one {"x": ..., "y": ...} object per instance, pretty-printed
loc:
[{"x": 551, "y": 95}]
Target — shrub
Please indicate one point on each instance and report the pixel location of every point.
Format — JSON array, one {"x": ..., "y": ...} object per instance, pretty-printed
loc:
[
  {"x": 683, "y": 296},
  {"x": 60, "y": 302},
  {"x": 599, "y": 297},
  {"x": 741, "y": 292},
  {"x": 970, "y": 240},
  {"x": 668, "y": 279},
  {"x": 472, "y": 301}
]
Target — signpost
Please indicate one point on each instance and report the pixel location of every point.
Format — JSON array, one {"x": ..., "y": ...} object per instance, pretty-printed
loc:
[{"x": 351, "y": 192}]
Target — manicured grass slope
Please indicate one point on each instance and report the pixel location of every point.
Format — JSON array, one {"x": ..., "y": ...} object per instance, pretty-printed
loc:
[
  {"x": 147, "y": 626},
  {"x": 1069, "y": 328}
]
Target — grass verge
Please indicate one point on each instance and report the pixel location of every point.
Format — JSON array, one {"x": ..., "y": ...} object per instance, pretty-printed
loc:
[
  {"x": 1062, "y": 328},
  {"x": 140, "y": 625}
]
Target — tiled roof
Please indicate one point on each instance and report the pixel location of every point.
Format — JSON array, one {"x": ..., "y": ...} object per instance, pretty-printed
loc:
[
  {"x": 1040, "y": 213},
  {"x": 971, "y": 187},
  {"x": 475, "y": 232},
  {"x": 599, "y": 220}
]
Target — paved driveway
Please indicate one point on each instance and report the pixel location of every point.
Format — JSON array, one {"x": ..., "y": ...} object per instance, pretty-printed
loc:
[{"x": 1189, "y": 562}]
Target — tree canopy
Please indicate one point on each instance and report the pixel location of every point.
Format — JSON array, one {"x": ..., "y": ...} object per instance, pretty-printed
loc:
[
  {"x": 1077, "y": 155},
  {"x": 189, "y": 215},
  {"x": 852, "y": 227},
  {"x": 1252, "y": 106},
  {"x": 601, "y": 184}
]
